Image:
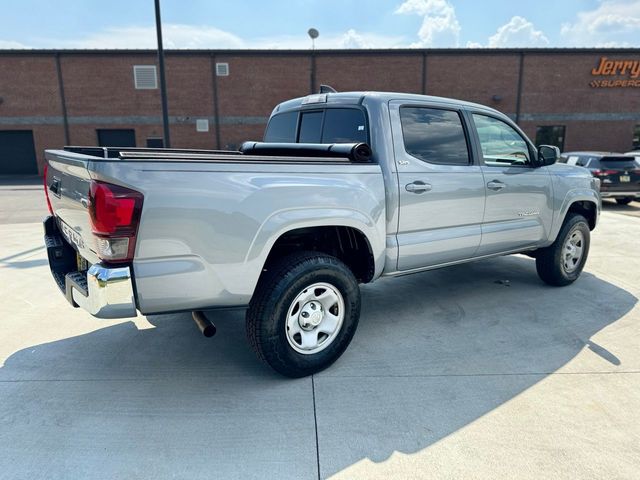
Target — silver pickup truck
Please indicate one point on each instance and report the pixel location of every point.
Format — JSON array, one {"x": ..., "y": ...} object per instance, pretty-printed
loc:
[{"x": 344, "y": 189}]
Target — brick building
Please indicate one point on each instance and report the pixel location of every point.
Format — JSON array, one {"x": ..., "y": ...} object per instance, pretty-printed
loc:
[{"x": 578, "y": 99}]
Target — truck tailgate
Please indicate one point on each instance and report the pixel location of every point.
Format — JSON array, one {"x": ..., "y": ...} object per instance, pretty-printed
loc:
[{"x": 68, "y": 183}]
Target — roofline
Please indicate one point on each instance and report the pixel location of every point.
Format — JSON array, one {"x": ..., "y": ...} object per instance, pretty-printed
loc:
[{"x": 305, "y": 52}]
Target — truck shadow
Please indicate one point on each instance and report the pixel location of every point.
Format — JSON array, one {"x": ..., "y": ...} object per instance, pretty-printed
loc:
[{"x": 433, "y": 353}]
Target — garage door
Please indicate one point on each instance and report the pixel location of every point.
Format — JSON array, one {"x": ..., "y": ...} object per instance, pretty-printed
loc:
[{"x": 17, "y": 153}]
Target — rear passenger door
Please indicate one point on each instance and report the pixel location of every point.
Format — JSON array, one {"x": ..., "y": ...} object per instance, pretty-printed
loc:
[
  {"x": 442, "y": 191},
  {"x": 519, "y": 210}
]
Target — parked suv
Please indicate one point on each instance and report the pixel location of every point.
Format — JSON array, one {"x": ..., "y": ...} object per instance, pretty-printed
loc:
[{"x": 619, "y": 173}]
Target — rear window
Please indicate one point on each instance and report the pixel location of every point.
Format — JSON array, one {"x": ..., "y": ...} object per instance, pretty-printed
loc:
[
  {"x": 617, "y": 162},
  {"x": 311, "y": 127},
  {"x": 330, "y": 125},
  {"x": 282, "y": 128}
]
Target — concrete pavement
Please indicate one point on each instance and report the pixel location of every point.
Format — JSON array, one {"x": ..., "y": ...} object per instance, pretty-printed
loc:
[{"x": 452, "y": 374}]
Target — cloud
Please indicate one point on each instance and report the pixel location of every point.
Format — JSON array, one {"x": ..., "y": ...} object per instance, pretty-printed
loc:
[
  {"x": 518, "y": 32},
  {"x": 10, "y": 44},
  {"x": 181, "y": 36},
  {"x": 352, "y": 39},
  {"x": 440, "y": 26},
  {"x": 611, "y": 23},
  {"x": 174, "y": 36}
]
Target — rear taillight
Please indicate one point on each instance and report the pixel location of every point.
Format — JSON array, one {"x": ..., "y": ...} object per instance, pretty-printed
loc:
[
  {"x": 46, "y": 189},
  {"x": 603, "y": 173},
  {"x": 115, "y": 215}
]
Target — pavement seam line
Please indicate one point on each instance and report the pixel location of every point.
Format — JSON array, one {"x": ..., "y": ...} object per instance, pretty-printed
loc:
[
  {"x": 315, "y": 423},
  {"x": 27, "y": 380}
]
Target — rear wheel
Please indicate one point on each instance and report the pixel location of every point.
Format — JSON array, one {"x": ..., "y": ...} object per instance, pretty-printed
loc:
[
  {"x": 624, "y": 201},
  {"x": 562, "y": 262},
  {"x": 304, "y": 313}
]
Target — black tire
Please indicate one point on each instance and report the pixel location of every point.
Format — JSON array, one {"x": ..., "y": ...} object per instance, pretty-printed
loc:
[
  {"x": 624, "y": 201},
  {"x": 278, "y": 288},
  {"x": 549, "y": 261}
]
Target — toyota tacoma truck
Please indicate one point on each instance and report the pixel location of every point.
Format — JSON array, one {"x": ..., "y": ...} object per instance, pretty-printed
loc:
[{"x": 344, "y": 188}]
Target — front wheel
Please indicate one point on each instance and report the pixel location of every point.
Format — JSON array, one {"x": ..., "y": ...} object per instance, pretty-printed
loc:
[
  {"x": 624, "y": 201},
  {"x": 562, "y": 262},
  {"x": 304, "y": 313}
]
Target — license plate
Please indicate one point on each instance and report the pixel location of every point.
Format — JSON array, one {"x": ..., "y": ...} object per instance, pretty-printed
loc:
[
  {"x": 81, "y": 263},
  {"x": 625, "y": 178}
]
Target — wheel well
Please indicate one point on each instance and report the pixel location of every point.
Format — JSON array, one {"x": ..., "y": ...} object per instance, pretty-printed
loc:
[
  {"x": 587, "y": 210},
  {"x": 348, "y": 244}
]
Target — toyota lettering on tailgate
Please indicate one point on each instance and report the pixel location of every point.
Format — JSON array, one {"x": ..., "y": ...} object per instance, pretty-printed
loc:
[{"x": 71, "y": 235}]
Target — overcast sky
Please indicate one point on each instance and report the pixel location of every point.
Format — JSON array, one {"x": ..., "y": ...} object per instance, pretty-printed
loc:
[{"x": 342, "y": 23}]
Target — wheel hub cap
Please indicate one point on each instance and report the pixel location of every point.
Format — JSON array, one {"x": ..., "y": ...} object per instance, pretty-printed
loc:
[
  {"x": 315, "y": 318},
  {"x": 572, "y": 252},
  {"x": 311, "y": 315}
]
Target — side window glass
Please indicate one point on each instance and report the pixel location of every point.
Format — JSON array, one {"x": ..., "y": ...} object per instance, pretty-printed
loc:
[
  {"x": 501, "y": 144},
  {"x": 282, "y": 128},
  {"x": 344, "y": 125},
  {"x": 434, "y": 135}
]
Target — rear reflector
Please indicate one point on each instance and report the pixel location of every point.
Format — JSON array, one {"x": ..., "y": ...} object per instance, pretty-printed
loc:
[{"x": 115, "y": 215}]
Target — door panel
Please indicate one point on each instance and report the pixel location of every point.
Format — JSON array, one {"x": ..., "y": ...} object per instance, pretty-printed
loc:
[
  {"x": 519, "y": 214},
  {"x": 441, "y": 205}
]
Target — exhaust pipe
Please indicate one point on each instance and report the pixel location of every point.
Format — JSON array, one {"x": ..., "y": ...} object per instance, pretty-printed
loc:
[{"x": 207, "y": 328}]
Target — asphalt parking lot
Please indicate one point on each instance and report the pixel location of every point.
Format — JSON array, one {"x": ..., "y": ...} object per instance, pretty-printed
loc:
[{"x": 452, "y": 374}]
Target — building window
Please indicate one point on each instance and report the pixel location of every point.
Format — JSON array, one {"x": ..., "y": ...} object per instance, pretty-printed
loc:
[
  {"x": 636, "y": 138},
  {"x": 155, "y": 142},
  {"x": 144, "y": 77},
  {"x": 550, "y": 135},
  {"x": 116, "y": 137}
]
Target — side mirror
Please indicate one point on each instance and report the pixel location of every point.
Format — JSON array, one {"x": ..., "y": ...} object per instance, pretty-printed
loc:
[{"x": 548, "y": 155}]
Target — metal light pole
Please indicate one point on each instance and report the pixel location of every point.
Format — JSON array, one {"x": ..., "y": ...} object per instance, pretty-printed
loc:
[{"x": 163, "y": 85}]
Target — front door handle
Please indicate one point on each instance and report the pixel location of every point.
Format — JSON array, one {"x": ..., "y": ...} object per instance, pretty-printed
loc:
[
  {"x": 417, "y": 187},
  {"x": 496, "y": 185}
]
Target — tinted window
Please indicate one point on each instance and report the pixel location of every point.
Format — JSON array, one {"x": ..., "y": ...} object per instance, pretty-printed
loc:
[
  {"x": 282, "y": 128},
  {"x": 434, "y": 135},
  {"x": 550, "y": 135},
  {"x": 344, "y": 125},
  {"x": 500, "y": 143},
  {"x": 310, "y": 127},
  {"x": 617, "y": 162}
]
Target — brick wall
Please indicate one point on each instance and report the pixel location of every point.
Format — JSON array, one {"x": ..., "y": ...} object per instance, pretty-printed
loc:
[{"x": 99, "y": 91}]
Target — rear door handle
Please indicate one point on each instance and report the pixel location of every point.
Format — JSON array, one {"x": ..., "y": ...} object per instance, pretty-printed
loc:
[
  {"x": 496, "y": 185},
  {"x": 417, "y": 187}
]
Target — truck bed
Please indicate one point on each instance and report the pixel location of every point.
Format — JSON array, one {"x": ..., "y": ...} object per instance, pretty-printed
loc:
[{"x": 209, "y": 218}]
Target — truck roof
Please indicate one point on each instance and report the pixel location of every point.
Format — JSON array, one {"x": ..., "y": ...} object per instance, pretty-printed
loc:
[{"x": 355, "y": 98}]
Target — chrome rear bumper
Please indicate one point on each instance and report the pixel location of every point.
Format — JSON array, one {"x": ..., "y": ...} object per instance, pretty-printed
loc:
[
  {"x": 103, "y": 291},
  {"x": 615, "y": 194}
]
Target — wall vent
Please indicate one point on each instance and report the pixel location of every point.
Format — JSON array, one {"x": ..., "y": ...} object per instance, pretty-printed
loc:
[
  {"x": 202, "y": 125},
  {"x": 222, "y": 69},
  {"x": 144, "y": 77}
]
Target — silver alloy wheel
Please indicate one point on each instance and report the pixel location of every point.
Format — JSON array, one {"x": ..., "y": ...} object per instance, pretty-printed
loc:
[
  {"x": 572, "y": 251},
  {"x": 315, "y": 318}
]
